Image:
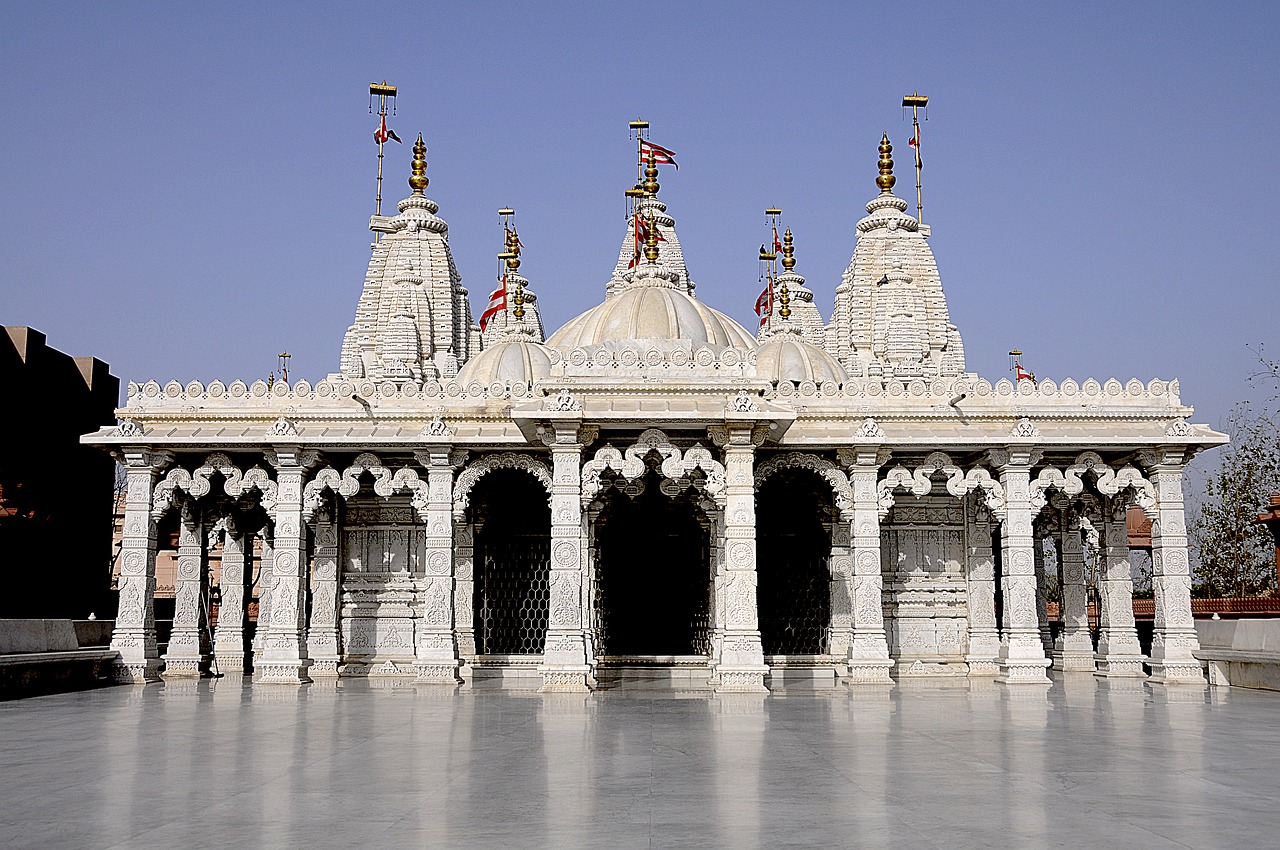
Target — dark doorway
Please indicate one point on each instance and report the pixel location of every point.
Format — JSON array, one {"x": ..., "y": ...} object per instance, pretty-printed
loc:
[
  {"x": 654, "y": 574},
  {"x": 512, "y": 563},
  {"x": 793, "y": 548}
]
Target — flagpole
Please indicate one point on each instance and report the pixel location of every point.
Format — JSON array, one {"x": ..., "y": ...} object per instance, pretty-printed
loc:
[
  {"x": 916, "y": 100},
  {"x": 382, "y": 91}
]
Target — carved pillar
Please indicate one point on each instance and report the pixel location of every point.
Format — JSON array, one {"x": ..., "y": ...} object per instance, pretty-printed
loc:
[
  {"x": 324, "y": 645},
  {"x": 1119, "y": 654},
  {"x": 869, "y": 660},
  {"x": 717, "y": 595},
  {"x": 284, "y": 651},
  {"x": 464, "y": 585},
  {"x": 1022, "y": 658},
  {"x": 237, "y": 562},
  {"x": 188, "y": 643},
  {"x": 266, "y": 580},
  {"x": 436, "y": 653},
  {"x": 984, "y": 638},
  {"x": 1042, "y": 597},
  {"x": 564, "y": 661},
  {"x": 1074, "y": 651},
  {"x": 590, "y": 584},
  {"x": 1174, "y": 642},
  {"x": 135, "y": 632},
  {"x": 840, "y": 570},
  {"x": 741, "y": 667}
]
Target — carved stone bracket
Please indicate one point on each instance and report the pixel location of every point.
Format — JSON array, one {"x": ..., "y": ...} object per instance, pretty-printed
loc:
[
  {"x": 832, "y": 474},
  {"x": 488, "y": 463},
  {"x": 347, "y": 484},
  {"x": 675, "y": 465},
  {"x": 959, "y": 483},
  {"x": 1108, "y": 480}
]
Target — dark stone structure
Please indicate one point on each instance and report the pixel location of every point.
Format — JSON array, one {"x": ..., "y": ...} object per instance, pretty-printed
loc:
[{"x": 55, "y": 537}]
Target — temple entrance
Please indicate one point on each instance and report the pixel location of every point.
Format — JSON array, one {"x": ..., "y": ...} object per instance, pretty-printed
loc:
[
  {"x": 654, "y": 573},
  {"x": 793, "y": 547},
  {"x": 512, "y": 563}
]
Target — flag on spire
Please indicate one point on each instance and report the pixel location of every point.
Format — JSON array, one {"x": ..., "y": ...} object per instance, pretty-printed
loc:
[
  {"x": 764, "y": 304},
  {"x": 777, "y": 243},
  {"x": 914, "y": 141},
  {"x": 497, "y": 303},
  {"x": 661, "y": 156},
  {"x": 382, "y": 134}
]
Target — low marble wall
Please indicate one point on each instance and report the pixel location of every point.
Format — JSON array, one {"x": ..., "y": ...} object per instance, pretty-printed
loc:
[{"x": 1241, "y": 653}]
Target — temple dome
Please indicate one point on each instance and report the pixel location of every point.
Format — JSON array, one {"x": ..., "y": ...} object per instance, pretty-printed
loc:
[
  {"x": 787, "y": 357},
  {"x": 507, "y": 362},
  {"x": 652, "y": 313}
]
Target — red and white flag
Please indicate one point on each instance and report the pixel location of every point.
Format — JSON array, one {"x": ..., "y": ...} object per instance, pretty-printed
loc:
[
  {"x": 382, "y": 134},
  {"x": 497, "y": 303},
  {"x": 777, "y": 243},
  {"x": 914, "y": 141},
  {"x": 661, "y": 156},
  {"x": 764, "y": 304}
]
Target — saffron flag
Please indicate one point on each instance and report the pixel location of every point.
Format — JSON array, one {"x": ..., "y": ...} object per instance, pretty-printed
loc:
[
  {"x": 497, "y": 303},
  {"x": 382, "y": 134},
  {"x": 914, "y": 141},
  {"x": 764, "y": 304},
  {"x": 661, "y": 156}
]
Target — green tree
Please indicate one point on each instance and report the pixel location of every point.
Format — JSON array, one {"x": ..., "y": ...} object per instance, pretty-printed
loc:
[{"x": 1236, "y": 556}]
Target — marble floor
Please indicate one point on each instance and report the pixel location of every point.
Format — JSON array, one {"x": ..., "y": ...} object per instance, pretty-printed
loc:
[{"x": 220, "y": 764}]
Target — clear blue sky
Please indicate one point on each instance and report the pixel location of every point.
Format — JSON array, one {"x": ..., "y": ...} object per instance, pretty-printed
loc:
[{"x": 186, "y": 188}]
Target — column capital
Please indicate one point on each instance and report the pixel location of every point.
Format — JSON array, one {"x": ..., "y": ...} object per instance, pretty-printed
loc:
[
  {"x": 292, "y": 457},
  {"x": 565, "y": 433},
  {"x": 1014, "y": 457},
  {"x": 1163, "y": 458},
  {"x": 138, "y": 458},
  {"x": 441, "y": 456},
  {"x": 864, "y": 457}
]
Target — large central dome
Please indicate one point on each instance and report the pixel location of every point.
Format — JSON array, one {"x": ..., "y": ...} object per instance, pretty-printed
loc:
[{"x": 652, "y": 313}]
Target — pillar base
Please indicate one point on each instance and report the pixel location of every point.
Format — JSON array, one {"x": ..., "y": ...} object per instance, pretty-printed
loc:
[
  {"x": 323, "y": 668},
  {"x": 142, "y": 672},
  {"x": 229, "y": 662},
  {"x": 183, "y": 667},
  {"x": 1177, "y": 672},
  {"x": 437, "y": 672},
  {"x": 1074, "y": 661},
  {"x": 981, "y": 668},
  {"x": 741, "y": 680},
  {"x": 573, "y": 680},
  {"x": 870, "y": 671},
  {"x": 282, "y": 673},
  {"x": 1120, "y": 666}
]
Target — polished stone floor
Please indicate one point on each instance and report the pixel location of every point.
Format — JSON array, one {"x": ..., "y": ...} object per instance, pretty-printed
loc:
[{"x": 219, "y": 764}]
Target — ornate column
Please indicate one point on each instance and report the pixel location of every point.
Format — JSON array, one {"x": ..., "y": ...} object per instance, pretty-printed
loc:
[
  {"x": 464, "y": 589},
  {"x": 237, "y": 562},
  {"x": 1174, "y": 642},
  {"x": 1119, "y": 654},
  {"x": 284, "y": 651},
  {"x": 840, "y": 570},
  {"x": 1074, "y": 651},
  {"x": 869, "y": 660},
  {"x": 717, "y": 596},
  {"x": 324, "y": 644},
  {"x": 741, "y": 667},
  {"x": 1022, "y": 658},
  {"x": 266, "y": 580},
  {"x": 591, "y": 585},
  {"x": 435, "y": 652},
  {"x": 188, "y": 643},
  {"x": 135, "y": 632},
  {"x": 980, "y": 573},
  {"x": 1042, "y": 597},
  {"x": 565, "y": 664}
]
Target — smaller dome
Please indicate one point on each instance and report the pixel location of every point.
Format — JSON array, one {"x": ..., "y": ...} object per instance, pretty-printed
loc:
[
  {"x": 787, "y": 357},
  {"x": 514, "y": 362}
]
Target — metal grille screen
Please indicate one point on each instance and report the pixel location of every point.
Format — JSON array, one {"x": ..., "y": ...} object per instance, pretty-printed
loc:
[{"x": 512, "y": 593}]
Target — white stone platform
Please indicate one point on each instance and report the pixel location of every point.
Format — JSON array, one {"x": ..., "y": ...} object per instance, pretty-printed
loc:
[{"x": 1085, "y": 762}]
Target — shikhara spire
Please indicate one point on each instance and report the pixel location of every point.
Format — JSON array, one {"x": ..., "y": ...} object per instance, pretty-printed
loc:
[{"x": 413, "y": 320}]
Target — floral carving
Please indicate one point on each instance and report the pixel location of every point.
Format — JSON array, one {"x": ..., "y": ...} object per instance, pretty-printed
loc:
[{"x": 488, "y": 463}]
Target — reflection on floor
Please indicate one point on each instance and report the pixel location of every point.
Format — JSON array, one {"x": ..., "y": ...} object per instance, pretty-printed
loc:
[{"x": 921, "y": 765}]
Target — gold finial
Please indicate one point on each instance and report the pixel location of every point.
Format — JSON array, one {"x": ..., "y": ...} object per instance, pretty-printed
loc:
[
  {"x": 886, "y": 179},
  {"x": 788, "y": 251},
  {"x": 650, "y": 184},
  {"x": 518, "y": 312},
  {"x": 419, "y": 180},
  {"x": 784, "y": 301},
  {"x": 651, "y": 233}
]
